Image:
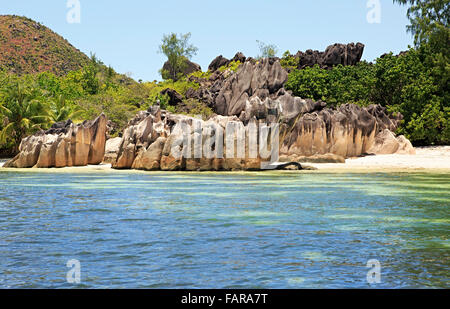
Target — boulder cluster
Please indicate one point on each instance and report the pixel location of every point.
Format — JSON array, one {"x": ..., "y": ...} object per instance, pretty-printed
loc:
[
  {"x": 153, "y": 137},
  {"x": 251, "y": 97},
  {"x": 64, "y": 144},
  {"x": 349, "y": 54}
]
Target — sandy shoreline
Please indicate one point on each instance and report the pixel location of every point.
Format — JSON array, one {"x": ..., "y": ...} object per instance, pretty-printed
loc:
[
  {"x": 426, "y": 159},
  {"x": 433, "y": 158}
]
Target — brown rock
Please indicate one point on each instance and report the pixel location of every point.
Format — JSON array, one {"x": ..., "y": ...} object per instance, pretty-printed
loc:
[
  {"x": 326, "y": 158},
  {"x": 112, "y": 149},
  {"x": 267, "y": 75},
  {"x": 150, "y": 158},
  {"x": 191, "y": 67},
  {"x": 387, "y": 143},
  {"x": 349, "y": 54},
  {"x": 405, "y": 146},
  {"x": 65, "y": 144},
  {"x": 348, "y": 131}
]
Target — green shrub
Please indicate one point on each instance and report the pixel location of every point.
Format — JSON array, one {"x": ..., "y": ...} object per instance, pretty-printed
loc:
[
  {"x": 288, "y": 61},
  {"x": 232, "y": 66},
  {"x": 202, "y": 75},
  {"x": 195, "y": 108},
  {"x": 411, "y": 84}
]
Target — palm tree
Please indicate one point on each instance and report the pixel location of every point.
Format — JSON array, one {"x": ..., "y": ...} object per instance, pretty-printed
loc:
[
  {"x": 61, "y": 111},
  {"x": 23, "y": 113}
]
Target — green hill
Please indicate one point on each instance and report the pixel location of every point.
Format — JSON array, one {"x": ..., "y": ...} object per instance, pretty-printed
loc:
[{"x": 27, "y": 46}]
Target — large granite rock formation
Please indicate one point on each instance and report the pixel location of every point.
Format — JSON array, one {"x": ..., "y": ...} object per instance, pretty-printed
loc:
[
  {"x": 111, "y": 149},
  {"x": 154, "y": 137},
  {"x": 348, "y": 131},
  {"x": 254, "y": 95},
  {"x": 308, "y": 132},
  {"x": 349, "y": 54},
  {"x": 250, "y": 98},
  {"x": 387, "y": 143},
  {"x": 253, "y": 79},
  {"x": 174, "y": 97},
  {"x": 190, "y": 67},
  {"x": 220, "y": 61},
  {"x": 64, "y": 144}
]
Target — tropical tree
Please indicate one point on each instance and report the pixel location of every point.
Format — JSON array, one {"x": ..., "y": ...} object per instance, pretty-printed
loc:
[
  {"x": 429, "y": 21},
  {"x": 60, "y": 110},
  {"x": 90, "y": 82},
  {"x": 23, "y": 112},
  {"x": 430, "y": 27},
  {"x": 177, "y": 50},
  {"x": 267, "y": 50}
]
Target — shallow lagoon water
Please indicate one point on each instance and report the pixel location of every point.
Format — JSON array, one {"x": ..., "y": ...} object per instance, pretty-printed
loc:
[{"x": 224, "y": 230}]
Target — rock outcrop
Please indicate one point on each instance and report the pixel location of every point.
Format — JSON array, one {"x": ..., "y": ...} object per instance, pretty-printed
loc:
[
  {"x": 254, "y": 96},
  {"x": 267, "y": 123},
  {"x": 111, "y": 149},
  {"x": 307, "y": 132},
  {"x": 174, "y": 97},
  {"x": 349, "y": 54},
  {"x": 159, "y": 140},
  {"x": 253, "y": 79},
  {"x": 348, "y": 131},
  {"x": 190, "y": 67},
  {"x": 387, "y": 143},
  {"x": 325, "y": 158},
  {"x": 64, "y": 144},
  {"x": 220, "y": 61}
]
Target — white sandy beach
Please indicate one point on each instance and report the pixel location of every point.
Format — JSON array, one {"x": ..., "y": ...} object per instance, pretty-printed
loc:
[
  {"x": 435, "y": 158},
  {"x": 426, "y": 159}
]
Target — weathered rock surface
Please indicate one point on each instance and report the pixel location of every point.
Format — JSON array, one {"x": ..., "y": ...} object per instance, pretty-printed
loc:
[
  {"x": 174, "y": 97},
  {"x": 348, "y": 131},
  {"x": 325, "y": 158},
  {"x": 260, "y": 79},
  {"x": 387, "y": 143},
  {"x": 349, "y": 54},
  {"x": 65, "y": 144},
  {"x": 251, "y": 97},
  {"x": 159, "y": 140},
  {"x": 220, "y": 61},
  {"x": 254, "y": 95},
  {"x": 284, "y": 108},
  {"x": 111, "y": 149},
  {"x": 217, "y": 63},
  {"x": 315, "y": 135},
  {"x": 191, "y": 67}
]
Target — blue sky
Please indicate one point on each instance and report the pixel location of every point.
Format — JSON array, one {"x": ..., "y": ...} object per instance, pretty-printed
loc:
[{"x": 126, "y": 34}]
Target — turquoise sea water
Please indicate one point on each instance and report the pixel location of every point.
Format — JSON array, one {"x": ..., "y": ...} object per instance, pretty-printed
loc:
[{"x": 224, "y": 230}]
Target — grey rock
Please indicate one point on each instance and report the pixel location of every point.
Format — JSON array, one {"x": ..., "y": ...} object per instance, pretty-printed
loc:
[{"x": 349, "y": 54}]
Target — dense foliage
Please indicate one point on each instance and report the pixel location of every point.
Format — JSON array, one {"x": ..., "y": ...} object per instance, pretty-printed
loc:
[
  {"x": 266, "y": 50},
  {"x": 414, "y": 83},
  {"x": 429, "y": 22},
  {"x": 28, "y": 47},
  {"x": 32, "y": 102},
  {"x": 177, "y": 50},
  {"x": 406, "y": 83}
]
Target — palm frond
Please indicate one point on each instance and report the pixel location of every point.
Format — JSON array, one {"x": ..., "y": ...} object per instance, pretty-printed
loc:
[{"x": 5, "y": 132}]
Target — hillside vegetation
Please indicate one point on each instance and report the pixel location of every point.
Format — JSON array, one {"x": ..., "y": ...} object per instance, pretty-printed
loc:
[
  {"x": 28, "y": 47},
  {"x": 44, "y": 79}
]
